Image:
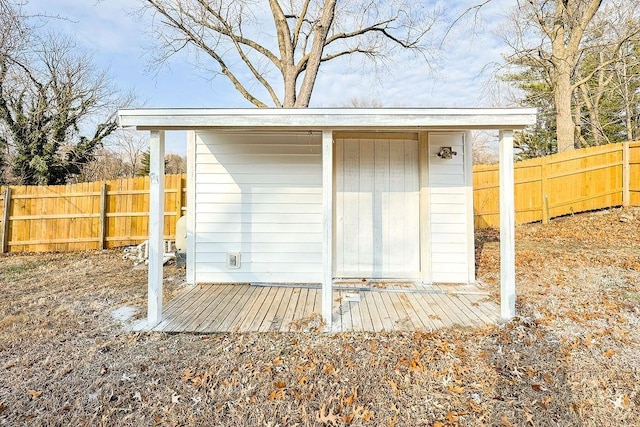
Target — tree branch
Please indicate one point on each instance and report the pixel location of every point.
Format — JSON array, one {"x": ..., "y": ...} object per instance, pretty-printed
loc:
[
  {"x": 300, "y": 21},
  {"x": 224, "y": 69}
]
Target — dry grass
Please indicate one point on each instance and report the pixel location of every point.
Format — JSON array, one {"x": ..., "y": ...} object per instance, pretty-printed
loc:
[{"x": 572, "y": 358}]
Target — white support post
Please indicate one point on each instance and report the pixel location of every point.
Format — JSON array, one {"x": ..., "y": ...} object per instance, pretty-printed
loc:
[
  {"x": 156, "y": 228},
  {"x": 468, "y": 182},
  {"x": 191, "y": 203},
  {"x": 507, "y": 228},
  {"x": 327, "y": 226}
]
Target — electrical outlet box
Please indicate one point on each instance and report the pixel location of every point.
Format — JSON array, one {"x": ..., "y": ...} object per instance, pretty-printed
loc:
[{"x": 233, "y": 260}]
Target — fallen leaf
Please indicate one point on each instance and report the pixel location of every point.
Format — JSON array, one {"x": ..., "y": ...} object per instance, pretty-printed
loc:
[
  {"x": 545, "y": 402},
  {"x": 505, "y": 421},
  {"x": 438, "y": 424},
  {"x": 622, "y": 401},
  {"x": 415, "y": 364},
  {"x": 350, "y": 400},
  {"x": 328, "y": 369},
  {"x": 325, "y": 415},
  {"x": 279, "y": 384},
  {"x": 302, "y": 380},
  {"x": 187, "y": 374},
  {"x": 276, "y": 394},
  {"x": 35, "y": 393},
  {"x": 347, "y": 419},
  {"x": 367, "y": 415},
  {"x": 528, "y": 416},
  {"x": 547, "y": 378},
  {"x": 452, "y": 417},
  {"x": 587, "y": 341},
  {"x": 2, "y": 407},
  {"x": 455, "y": 389},
  {"x": 609, "y": 353},
  {"x": 536, "y": 387}
]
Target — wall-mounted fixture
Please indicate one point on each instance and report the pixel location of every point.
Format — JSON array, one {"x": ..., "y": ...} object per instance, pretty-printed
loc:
[
  {"x": 446, "y": 153},
  {"x": 233, "y": 260}
]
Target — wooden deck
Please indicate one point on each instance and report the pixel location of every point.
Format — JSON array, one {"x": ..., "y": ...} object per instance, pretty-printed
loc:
[{"x": 249, "y": 308}]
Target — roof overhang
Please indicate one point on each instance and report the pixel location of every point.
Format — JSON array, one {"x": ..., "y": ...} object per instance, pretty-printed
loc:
[{"x": 327, "y": 118}]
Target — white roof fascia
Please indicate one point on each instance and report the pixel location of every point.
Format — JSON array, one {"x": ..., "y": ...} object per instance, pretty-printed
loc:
[{"x": 329, "y": 118}]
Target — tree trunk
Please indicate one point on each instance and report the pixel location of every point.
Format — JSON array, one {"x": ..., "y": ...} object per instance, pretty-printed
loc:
[{"x": 565, "y": 127}]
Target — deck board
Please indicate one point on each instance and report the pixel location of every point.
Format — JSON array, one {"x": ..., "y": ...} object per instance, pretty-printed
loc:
[
  {"x": 439, "y": 311},
  {"x": 217, "y": 316},
  {"x": 244, "y": 308},
  {"x": 235, "y": 308},
  {"x": 208, "y": 306},
  {"x": 270, "y": 318},
  {"x": 365, "y": 313}
]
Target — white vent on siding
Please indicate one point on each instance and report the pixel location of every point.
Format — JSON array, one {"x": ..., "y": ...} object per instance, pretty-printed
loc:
[{"x": 233, "y": 260}]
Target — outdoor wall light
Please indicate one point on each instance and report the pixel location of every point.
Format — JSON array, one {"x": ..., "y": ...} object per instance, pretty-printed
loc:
[{"x": 446, "y": 153}]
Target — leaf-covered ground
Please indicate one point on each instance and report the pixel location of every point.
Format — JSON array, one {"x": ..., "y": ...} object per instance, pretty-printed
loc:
[{"x": 571, "y": 358}]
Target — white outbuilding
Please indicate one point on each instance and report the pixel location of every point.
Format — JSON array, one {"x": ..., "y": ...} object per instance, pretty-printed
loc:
[{"x": 302, "y": 196}]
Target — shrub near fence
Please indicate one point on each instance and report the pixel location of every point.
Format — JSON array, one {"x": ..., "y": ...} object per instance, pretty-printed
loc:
[
  {"x": 84, "y": 216},
  {"x": 115, "y": 213}
]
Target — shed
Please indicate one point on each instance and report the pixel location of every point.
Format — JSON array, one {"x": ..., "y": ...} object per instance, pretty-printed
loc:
[{"x": 312, "y": 195}]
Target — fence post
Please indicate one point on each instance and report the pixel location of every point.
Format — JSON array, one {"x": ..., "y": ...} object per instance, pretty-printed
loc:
[
  {"x": 103, "y": 216},
  {"x": 626, "y": 175},
  {"x": 544, "y": 200},
  {"x": 4, "y": 240}
]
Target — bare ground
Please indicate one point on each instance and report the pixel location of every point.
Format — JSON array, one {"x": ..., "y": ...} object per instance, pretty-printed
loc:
[{"x": 571, "y": 358}]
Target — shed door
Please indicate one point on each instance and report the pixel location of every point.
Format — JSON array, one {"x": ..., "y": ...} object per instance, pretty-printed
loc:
[{"x": 377, "y": 208}]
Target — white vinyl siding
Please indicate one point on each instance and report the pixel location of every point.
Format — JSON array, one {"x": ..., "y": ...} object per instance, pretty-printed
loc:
[
  {"x": 258, "y": 194},
  {"x": 448, "y": 210},
  {"x": 377, "y": 208}
]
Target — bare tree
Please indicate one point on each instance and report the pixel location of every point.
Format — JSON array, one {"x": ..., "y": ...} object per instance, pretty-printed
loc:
[
  {"x": 274, "y": 50},
  {"x": 106, "y": 165},
  {"x": 174, "y": 164},
  {"x": 551, "y": 35},
  {"x": 130, "y": 145},
  {"x": 485, "y": 148},
  {"x": 362, "y": 102},
  {"x": 13, "y": 40}
]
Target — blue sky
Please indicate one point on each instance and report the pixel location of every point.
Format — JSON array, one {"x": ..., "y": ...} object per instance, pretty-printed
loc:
[{"x": 120, "y": 41}]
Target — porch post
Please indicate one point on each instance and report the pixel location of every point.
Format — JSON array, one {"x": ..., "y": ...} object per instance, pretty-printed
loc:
[
  {"x": 156, "y": 227},
  {"x": 327, "y": 226},
  {"x": 507, "y": 228}
]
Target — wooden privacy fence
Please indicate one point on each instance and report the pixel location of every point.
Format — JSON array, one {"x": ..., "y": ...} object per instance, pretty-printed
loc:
[
  {"x": 561, "y": 184},
  {"x": 115, "y": 213},
  {"x": 92, "y": 215}
]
